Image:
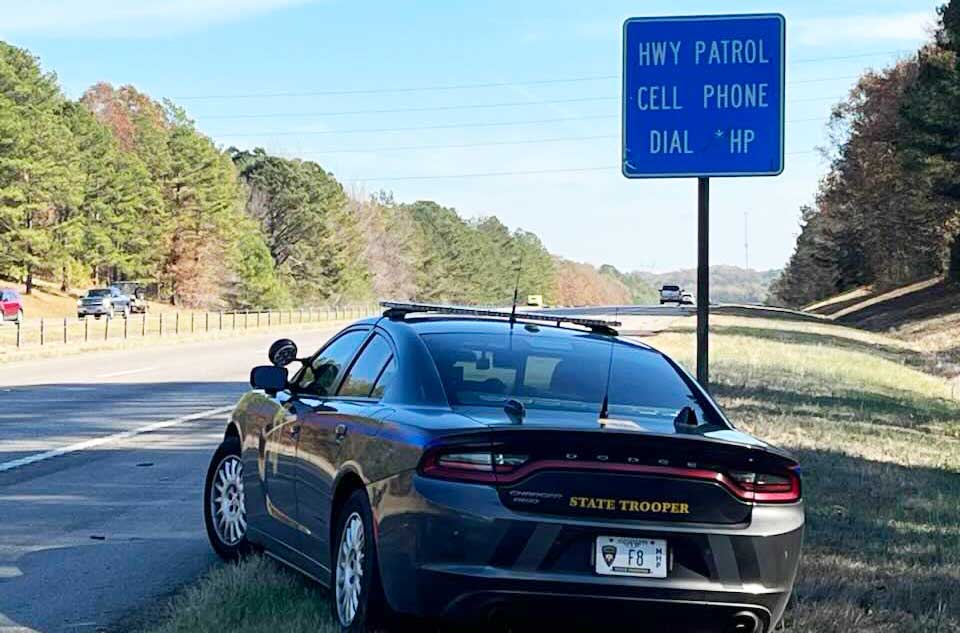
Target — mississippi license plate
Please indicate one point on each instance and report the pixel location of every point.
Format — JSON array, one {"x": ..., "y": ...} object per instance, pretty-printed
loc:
[{"x": 621, "y": 556}]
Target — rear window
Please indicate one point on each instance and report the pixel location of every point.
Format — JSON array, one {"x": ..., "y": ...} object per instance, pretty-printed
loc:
[
  {"x": 558, "y": 373},
  {"x": 671, "y": 288}
]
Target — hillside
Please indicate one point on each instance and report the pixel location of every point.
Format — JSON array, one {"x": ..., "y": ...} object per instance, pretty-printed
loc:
[
  {"x": 887, "y": 209},
  {"x": 926, "y": 314},
  {"x": 728, "y": 284},
  {"x": 255, "y": 231}
]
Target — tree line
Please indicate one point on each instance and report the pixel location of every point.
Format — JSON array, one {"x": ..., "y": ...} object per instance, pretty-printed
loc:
[
  {"x": 888, "y": 210},
  {"x": 119, "y": 186}
]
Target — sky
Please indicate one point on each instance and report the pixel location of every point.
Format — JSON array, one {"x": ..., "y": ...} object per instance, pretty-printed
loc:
[{"x": 499, "y": 107}]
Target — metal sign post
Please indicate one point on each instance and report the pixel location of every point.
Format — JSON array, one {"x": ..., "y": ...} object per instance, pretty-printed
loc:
[
  {"x": 703, "y": 282},
  {"x": 703, "y": 96}
]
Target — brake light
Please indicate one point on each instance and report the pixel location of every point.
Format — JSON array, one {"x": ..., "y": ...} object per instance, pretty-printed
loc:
[
  {"x": 768, "y": 487},
  {"x": 477, "y": 466}
]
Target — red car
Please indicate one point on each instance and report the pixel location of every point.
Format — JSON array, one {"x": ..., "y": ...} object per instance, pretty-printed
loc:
[{"x": 11, "y": 306}]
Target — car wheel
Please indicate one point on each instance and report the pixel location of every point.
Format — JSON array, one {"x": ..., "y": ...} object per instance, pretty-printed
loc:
[
  {"x": 224, "y": 504},
  {"x": 357, "y": 595}
]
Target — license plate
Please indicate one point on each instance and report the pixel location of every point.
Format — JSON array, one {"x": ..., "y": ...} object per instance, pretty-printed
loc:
[{"x": 621, "y": 556}]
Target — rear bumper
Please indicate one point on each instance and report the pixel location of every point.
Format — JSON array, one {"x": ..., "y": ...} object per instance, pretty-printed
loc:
[{"x": 453, "y": 550}]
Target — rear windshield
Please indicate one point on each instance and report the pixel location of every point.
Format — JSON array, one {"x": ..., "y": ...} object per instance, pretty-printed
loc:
[
  {"x": 559, "y": 373},
  {"x": 98, "y": 292}
]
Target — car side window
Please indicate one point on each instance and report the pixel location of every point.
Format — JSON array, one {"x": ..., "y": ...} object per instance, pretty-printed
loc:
[
  {"x": 369, "y": 366},
  {"x": 319, "y": 375}
]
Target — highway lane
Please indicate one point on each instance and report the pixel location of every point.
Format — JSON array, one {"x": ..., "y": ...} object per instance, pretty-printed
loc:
[{"x": 87, "y": 537}]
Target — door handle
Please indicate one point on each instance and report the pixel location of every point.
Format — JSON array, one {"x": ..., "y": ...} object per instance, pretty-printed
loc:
[
  {"x": 294, "y": 431},
  {"x": 340, "y": 432}
]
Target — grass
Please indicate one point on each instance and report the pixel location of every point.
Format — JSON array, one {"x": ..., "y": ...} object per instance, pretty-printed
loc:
[
  {"x": 255, "y": 596},
  {"x": 879, "y": 440}
]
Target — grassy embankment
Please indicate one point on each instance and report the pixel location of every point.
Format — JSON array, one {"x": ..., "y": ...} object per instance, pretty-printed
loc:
[{"x": 880, "y": 444}]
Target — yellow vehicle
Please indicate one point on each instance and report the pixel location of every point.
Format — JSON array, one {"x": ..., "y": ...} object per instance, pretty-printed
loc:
[{"x": 535, "y": 300}]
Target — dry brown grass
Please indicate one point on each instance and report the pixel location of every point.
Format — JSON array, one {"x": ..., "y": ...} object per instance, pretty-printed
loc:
[{"x": 879, "y": 441}]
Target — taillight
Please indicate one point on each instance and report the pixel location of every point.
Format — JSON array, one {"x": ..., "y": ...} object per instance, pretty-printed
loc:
[
  {"x": 768, "y": 487},
  {"x": 476, "y": 466}
]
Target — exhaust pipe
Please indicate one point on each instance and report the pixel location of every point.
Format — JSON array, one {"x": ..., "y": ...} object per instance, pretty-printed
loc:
[{"x": 746, "y": 622}]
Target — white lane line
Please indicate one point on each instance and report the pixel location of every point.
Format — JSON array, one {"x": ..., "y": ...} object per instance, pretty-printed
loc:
[
  {"x": 99, "y": 441},
  {"x": 126, "y": 372}
]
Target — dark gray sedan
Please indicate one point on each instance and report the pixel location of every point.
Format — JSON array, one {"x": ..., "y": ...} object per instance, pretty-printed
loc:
[{"x": 454, "y": 463}]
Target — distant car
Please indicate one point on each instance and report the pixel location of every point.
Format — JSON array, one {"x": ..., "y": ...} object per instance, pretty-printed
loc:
[
  {"x": 457, "y": 465},
  {"x": 535, "y": 301},
  {"x": 686, "y": 298},
  {"x": 134, "y": 290},
  {"x": 11, "y": 305},
  {"x": 671, "y": 294},
  {"x": 100, "y": 302}
]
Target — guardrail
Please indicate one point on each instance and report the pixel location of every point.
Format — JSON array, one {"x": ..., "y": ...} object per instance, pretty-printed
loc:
[{"x": 66, "y": 331}]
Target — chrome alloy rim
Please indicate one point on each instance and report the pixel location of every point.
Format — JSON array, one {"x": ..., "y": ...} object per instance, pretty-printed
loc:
[
  {"x": 350, "y": 569},
  {"x": 227, "y": 505}
]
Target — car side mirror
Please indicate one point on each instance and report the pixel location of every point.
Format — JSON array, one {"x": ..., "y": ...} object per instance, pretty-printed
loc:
[
  {"x": 270, "y": 378},
  {"x": 282, "y": 352}
]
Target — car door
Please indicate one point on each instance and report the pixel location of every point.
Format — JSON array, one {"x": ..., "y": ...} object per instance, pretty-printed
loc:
[
  {"x": 280, "y": 443},
  {"x": 347, "y": 418},
  {"x": 312, "y": 384},
  {"x": 279, "y": 450}
]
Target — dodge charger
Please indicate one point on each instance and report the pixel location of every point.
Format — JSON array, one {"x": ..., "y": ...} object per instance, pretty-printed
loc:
[{"x": 450, "y": 463}]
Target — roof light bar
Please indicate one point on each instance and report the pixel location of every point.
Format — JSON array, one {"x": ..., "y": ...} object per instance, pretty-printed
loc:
[{"x": 399, "y": 310}]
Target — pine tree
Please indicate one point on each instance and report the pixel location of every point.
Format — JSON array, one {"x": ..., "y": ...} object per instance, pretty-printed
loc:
[{"x": 37, "y": 177}]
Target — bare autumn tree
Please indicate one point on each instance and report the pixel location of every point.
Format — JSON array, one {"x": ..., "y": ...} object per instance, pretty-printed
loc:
[{"x": 391, "y": 248}]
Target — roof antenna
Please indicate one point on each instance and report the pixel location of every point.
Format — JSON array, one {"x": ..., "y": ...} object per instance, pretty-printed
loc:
[
  {"x": 516, "y": 290},
  {"x": 605, "y": 405}
]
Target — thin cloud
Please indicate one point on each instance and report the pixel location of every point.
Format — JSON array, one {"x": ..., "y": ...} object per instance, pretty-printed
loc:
[
  {"x": 126, "y": 18},
  {"x": 901, "y": 27}
]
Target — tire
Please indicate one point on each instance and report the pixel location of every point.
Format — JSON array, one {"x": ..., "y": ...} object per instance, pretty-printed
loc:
[
  {"x": 225, "y": 519},
  {"x": 369, "y": 610}
]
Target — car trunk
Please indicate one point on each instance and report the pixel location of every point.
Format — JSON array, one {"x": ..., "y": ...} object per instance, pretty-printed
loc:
[{"x": 640, "y": 469}]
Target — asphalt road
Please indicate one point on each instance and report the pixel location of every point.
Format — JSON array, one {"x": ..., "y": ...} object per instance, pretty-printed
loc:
[
  {"x": 89, "y": 536},
  {"x": 99, "y": 519}
]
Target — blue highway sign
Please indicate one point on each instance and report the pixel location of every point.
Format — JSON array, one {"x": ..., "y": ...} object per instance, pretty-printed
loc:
[{"x": 703, "y": 96}]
